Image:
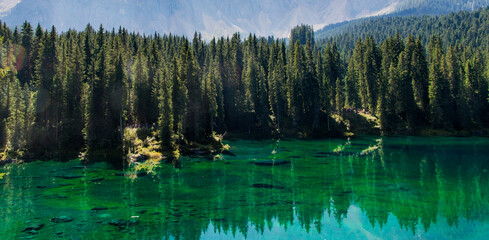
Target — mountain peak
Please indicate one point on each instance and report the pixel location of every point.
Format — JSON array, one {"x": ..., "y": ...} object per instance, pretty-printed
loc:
[{"x": 210, "y": 17}]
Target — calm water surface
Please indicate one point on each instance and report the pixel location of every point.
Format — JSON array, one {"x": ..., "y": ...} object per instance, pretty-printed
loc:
[{"x": 363, "y": 188}]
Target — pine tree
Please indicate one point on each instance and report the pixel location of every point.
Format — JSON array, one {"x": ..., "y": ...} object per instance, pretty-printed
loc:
[
  {"x": 165, "y": 107},
  {"x": 48, "y": 91},
  {"x": 96, "y": 132},
  {"x": 453, "y": 71},
  {"x": 179, "y": 97},
  {"x": 7, "y": 96},
  {"x": 297, "y": 70},
  {"x": 420, "y": 76},
  {"x": 477, "y": 90},
  {"x": 210, "y": 95},
  {"x": 26, "y": 67},
  {"x": 188, "y": 73},
  {"x": 351, "y": 86},
  {"x": 72, "y": 115},
  {"x": 117, "y": 95},
  {"x": 340, "y": 95},
  {"x": 439, "y": 90},
  {"x": 154, "y": 63},
  {"x": 403, "y": 92},
  {"x": 276, "y": 84},
  {"x": 142, "y": 89},
  {"x": 372, "y": 71}
]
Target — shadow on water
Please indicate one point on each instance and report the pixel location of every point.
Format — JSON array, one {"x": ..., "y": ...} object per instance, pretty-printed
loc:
[{"x": 359, "y": 188}]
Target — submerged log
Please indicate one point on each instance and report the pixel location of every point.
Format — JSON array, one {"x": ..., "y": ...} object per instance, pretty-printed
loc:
[
  {"x": 266, "y": 186},
  {"x": 271, "y": 162}
]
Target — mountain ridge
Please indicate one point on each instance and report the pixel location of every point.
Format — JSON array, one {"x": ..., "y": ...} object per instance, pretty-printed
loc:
[{"x": 184, "y": 17}]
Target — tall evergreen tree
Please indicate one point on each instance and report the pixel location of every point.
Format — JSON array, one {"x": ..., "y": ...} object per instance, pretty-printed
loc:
[
  {"x": 420, "y": 76},
  {"x": 477, "y": 90},
  {"x": 165, "y": 107},
  {"x": 297, "y": 70},
  {"x": 142, "y": 89},
  {"x": 276, "y": 84},
  {"x": 439, "y": 90},
  {"x": 72, "y": 113},
  {"x": 96, "y": 132},
  {"x": 47, "y": 108},
  {"x": 26, "y": 66}
]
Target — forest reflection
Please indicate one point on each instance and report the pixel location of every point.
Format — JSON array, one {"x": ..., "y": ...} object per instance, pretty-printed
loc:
[{"x": 418, "y": 181}]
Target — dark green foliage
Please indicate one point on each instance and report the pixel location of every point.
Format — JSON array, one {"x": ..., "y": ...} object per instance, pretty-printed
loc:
[
  {"x": 469, "y": 29},
  {"x": 142, "y": 90},
  {"x": 165, "y": 107},
  {"x": 439, "y": 90},
  {"x": 189, "y": 75},
  {"x": 72, "y": 113},
  {"x": 78, "y": 91},
  {"x": 433, "y": 7},
  {"x": 302, "y": 34},
  {"x": 420, "y": 75},
  {"x": 97, "y": 105}
]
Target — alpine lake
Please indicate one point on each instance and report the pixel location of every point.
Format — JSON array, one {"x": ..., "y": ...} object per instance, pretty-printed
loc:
[{"x": 360, "y": 188}]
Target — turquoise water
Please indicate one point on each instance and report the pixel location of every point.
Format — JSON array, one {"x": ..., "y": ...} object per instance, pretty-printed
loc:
[{"x": 362, "y": 188}]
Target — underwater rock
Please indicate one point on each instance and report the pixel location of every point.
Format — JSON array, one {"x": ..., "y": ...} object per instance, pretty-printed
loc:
[
  {"x": 104, "y": 215},
  {"x": 141, "y": 211},
  {"x": 61, "y": 196},
  {"x": 97, "y": 179},
  {"x": 99, "y": 208},
  {"x": 35, "y": 227},
  {"x": 271, "y": 162},
  {"x": 41, "y": 186},
  {"x": 266, "y": 186},
  {"x": 32, "y": 232},
  {"x": 78, "y": 167},
  {"x": 228, "y": 153},
  {"x": 121, "y": 223},
  {"x": 347, "y": 192},
  {"x": 71, "y": 176},
  {"x": 403, "y": 189},
  {"x": 61, "y": 219}
]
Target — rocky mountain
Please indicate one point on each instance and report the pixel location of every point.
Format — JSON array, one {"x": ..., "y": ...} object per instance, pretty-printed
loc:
[{"x": 210, "y": 17}]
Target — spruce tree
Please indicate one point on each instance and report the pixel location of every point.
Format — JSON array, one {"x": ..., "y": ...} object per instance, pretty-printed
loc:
[
  {"x": 420, "y": 76},
  {"x": 72, "y": 115},
  {"x": 142, "y": 89},
  {"x": 188, "y": 73},
  {"x": 276, "y": 86},
  {"x": 96, "y": 132},
  {"x": 297, "y": 70},
  {"x": 351, "y": 86},
  {"x": 439, "y": 90},
  {"x": 165, "y": 95},
  {"x": 26, "y": 67}
]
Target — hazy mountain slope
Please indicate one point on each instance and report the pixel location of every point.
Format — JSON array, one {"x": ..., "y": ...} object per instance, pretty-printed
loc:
[
  {"x": 211, "y": 17},
  {"x": 436, "y": 7},
  {"x": 469, "y": 29},
  {"x": 406, "y": 8}
]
